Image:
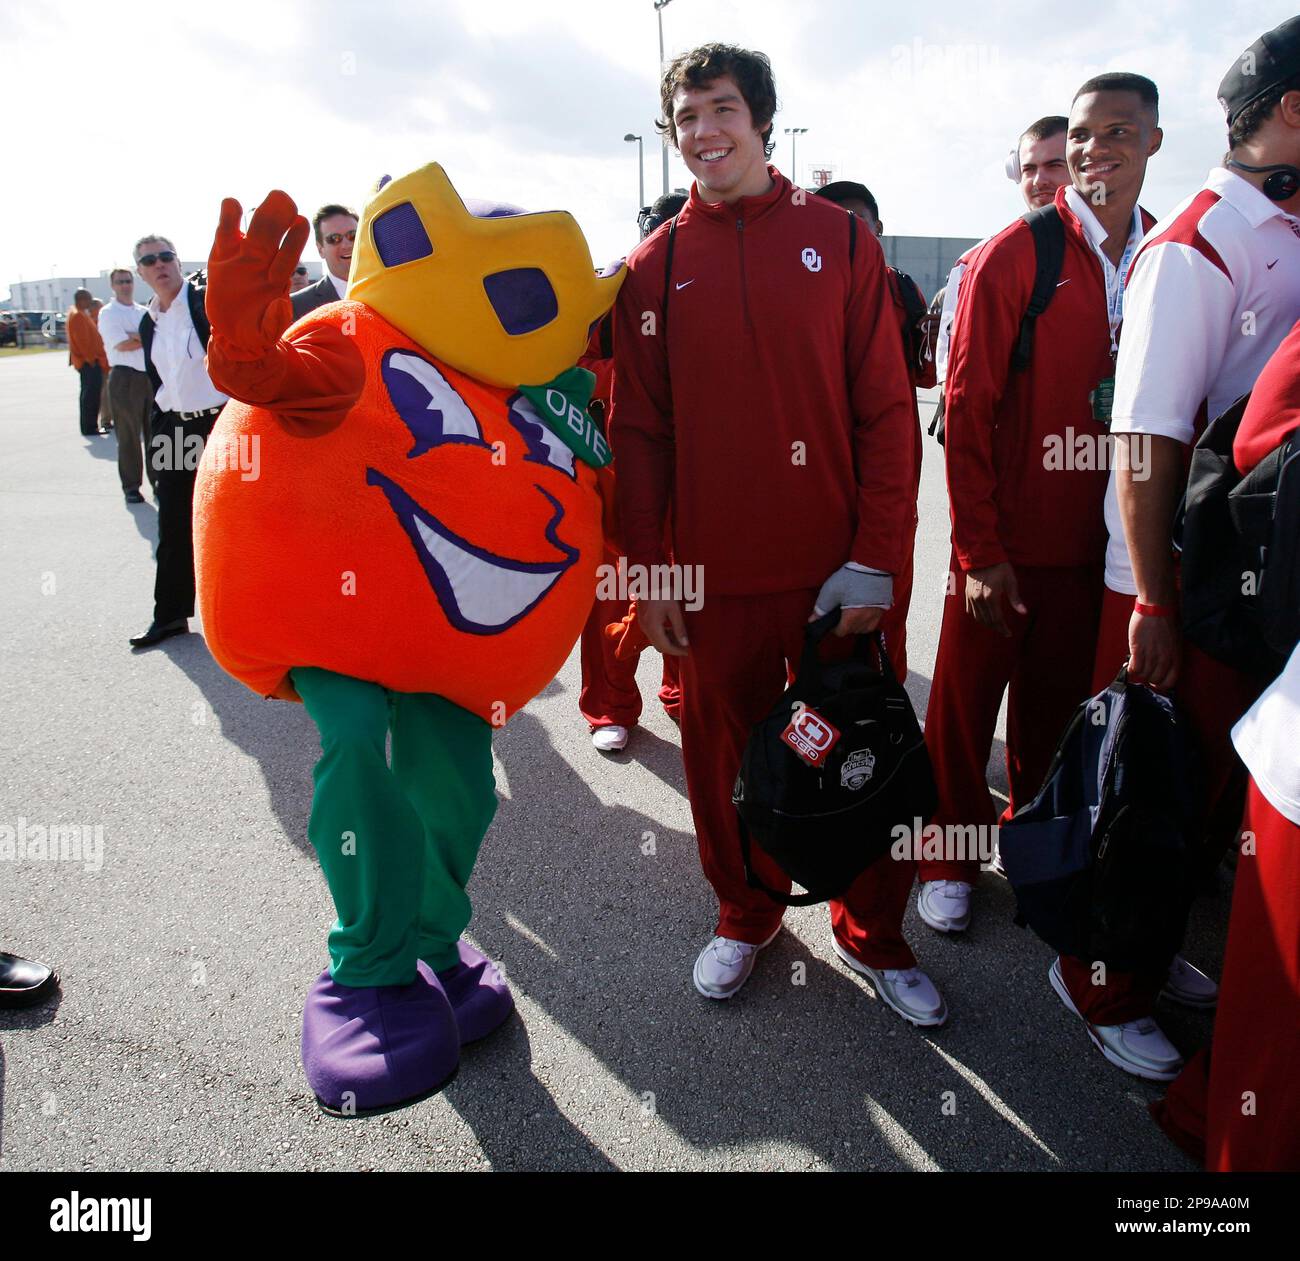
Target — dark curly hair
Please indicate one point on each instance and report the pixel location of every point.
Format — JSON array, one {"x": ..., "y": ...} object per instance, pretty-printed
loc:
[
  {"x": 1250, "y": 119},
  {"x": 701, "y": 66}
]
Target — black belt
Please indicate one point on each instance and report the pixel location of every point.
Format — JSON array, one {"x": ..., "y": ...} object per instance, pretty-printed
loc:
[
  {"x": 126, "y": 367},
  {"x": 207, "y": 411}
]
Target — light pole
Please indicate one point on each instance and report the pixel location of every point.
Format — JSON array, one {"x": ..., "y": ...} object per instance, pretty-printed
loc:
[
  {"x": 660, "y": 6},
  {"x": 640, "y": 167},
  {"x": 794, "y": 133}
]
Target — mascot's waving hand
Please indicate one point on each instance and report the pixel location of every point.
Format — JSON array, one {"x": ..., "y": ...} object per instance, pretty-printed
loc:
[{"x": 414, "y": 555}]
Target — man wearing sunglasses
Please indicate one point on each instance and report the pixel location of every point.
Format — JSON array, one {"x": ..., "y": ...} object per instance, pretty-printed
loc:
[
  {"x": 174, "y": 337},
  {"x": 336, "y": 231}
]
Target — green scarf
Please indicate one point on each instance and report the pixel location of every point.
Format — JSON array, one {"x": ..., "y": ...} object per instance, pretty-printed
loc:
[{"x": 561, "y": 405}]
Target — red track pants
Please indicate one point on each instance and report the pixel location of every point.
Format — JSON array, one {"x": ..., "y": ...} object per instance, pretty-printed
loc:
[
  {"x": 1044, "y": 666},
  {"x": 742, "y": 649},
  {"x": 1213, "y": 696},
  {"x": 1238, "y": 1107},
  {"x": 610, "y": 696}
]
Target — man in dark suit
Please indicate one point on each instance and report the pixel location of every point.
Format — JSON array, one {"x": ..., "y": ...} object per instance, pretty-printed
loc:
[{"x": 336, "y": 231}]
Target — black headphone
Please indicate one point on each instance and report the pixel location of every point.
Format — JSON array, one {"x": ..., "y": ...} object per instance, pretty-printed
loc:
[{"x": 1282, "y": 185}]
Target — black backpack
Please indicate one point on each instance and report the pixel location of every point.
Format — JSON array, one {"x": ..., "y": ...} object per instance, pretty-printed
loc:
[
  {"x": 1102, "y": 861},
  {"x": 914, "y": 313},
  {"x": 1049, "y": 254},
  {"x": 826, "y": 824},
  {"x": 195, "y": 289},
  {"x": 1240, "y": 542}
]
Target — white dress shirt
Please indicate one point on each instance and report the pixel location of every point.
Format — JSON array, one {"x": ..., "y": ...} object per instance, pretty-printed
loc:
[
  {"x": 177, "y": 356},
  {"x": 117, "y": 322},
  {"x": 340, "y": 286}
]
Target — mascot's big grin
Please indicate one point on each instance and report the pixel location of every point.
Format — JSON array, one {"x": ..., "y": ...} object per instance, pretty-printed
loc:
[{"x": 480, "y": 592}]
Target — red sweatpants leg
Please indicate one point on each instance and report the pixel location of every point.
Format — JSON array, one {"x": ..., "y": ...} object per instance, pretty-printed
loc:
[
  {"x": 732, "y": 676},
  {"x": 670, "y": 689},
  {"x": 894, "y": 623},
  {"x": 609, "y": 696},
  {"x": 1251, "y": 1105},
  {"x": 1123, "y": 997},
  {"x": 1045, "y": 663}
]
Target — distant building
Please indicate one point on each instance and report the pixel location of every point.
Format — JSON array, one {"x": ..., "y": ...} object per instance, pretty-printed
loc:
[
  {"x": 927, "y": 259},
  {"x": 54, "y": 293}
]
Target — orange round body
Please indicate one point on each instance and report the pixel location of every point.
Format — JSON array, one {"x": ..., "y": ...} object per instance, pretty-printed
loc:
[{"x": 438, "y": 539}]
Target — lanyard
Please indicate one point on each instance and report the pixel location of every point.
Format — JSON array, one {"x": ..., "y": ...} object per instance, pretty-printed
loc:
[{"x": 1114, "y": 278}]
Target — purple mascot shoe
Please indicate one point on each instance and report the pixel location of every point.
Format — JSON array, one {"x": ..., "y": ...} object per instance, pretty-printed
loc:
[
  {"x": 366, "y": 1049},
  {"x": 476, "y": 990}
]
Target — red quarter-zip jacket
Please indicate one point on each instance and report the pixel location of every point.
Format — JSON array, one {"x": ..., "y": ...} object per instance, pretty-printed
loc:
[
  {"x": 1008, "y": 502},
  {"x": 775, "y": 415}
]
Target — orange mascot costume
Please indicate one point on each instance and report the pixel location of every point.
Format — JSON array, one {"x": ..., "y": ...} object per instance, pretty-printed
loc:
[{"x": 398, "y": 524}]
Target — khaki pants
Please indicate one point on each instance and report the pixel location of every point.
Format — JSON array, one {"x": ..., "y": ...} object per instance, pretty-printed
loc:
[{"x": 130, "y": 396}]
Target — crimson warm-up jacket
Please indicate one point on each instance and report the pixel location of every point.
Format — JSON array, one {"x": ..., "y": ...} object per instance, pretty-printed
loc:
[
  {"x": 775, "y": 415},
  {"x": 1274, "y": 407},
  {"x": 1007, "y": 504}
]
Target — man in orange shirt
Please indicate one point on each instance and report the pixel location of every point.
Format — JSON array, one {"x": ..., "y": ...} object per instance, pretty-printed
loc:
[{"x": 86, "y": 350}]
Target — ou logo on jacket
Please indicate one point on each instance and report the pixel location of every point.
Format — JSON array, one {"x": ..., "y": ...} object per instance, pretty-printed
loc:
[{"x": 811, "y": 259}]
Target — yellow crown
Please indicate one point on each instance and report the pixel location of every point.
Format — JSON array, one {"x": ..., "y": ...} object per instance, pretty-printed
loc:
[{"x": 505, "y": 296}]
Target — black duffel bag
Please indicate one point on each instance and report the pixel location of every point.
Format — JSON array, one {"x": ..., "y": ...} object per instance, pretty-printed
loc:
[
  {"x": 826, "y": 823},
  {"x": 1103, "y": 860},
  {"x": 1240, "y": 543}
]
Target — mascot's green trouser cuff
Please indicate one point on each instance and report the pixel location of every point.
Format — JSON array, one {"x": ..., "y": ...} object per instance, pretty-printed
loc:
[{"x": 397, "y": 844}]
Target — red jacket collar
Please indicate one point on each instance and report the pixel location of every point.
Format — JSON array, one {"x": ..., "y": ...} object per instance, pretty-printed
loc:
[{"x": 746, "y": 208}]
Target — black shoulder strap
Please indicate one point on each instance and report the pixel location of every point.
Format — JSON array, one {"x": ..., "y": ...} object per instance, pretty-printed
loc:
[
  {"x": 668, "y": 272},
  {"x": 853, "y": 237},
  {"x": 146, "y": 343},
  {"x": 605, "y": 335},
  {"x": 1049, "y": 251},
  {"x": 196, "y": 290}
]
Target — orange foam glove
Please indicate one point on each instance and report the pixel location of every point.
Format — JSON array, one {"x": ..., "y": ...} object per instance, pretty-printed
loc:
[
  {"x": 628, "y": 638},
  {"x": 248, "y": 276}
]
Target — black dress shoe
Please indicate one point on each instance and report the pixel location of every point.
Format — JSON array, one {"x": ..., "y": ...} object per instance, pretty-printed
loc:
[
  {"x": 156, "y": 634},
  {"x": 24, "y": 983},
  {"x": 134, "y": 497}
]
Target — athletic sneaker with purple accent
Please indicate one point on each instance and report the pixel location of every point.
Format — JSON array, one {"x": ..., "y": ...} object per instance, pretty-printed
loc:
[
  {"x": 476, "y": 990},
  {"x": 375, "y": 1047}
]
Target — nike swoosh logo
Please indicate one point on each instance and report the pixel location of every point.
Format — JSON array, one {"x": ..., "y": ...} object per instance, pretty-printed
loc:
[
  {"x": 1273, "y": 264},
  {"x": 682, "y": 284},
  {"x": 1063, "y": 282}
]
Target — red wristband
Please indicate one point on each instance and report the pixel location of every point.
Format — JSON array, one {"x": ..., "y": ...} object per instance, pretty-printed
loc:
[{"x": 1153, "y": 610}]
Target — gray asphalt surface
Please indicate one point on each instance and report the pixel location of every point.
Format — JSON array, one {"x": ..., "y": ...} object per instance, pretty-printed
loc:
[{"x": 185, "y": 957}]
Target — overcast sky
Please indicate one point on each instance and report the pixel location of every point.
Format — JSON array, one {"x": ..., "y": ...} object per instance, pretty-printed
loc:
[{"x": 129, "y": 117}]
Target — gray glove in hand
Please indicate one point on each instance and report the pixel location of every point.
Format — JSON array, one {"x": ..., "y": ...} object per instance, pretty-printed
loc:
[{"x": 855, "y": 587}]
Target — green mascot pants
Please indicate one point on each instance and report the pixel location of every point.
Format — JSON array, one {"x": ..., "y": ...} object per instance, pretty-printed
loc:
[{"x": 396, "y": 843}]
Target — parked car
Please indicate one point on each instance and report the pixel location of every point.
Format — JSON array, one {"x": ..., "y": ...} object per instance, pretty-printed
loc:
[{"x": 8, "y": 328}]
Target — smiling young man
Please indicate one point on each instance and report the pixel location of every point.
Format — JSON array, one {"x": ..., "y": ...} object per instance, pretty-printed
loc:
[
  {"x": 1028, "y": 533},
  {"x": 335, "y": 227},
  {"x": 762, "y": 406}
]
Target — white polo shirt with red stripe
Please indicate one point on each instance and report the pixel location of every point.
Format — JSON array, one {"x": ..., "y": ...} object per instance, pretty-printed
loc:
[{"x": 1210, "y": 296}]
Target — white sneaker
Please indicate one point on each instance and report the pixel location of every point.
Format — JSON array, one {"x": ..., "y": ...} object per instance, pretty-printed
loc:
[
  {"x": 1189, "y": 986},
  {"x": 1137, "y": 1046},
  {"x": 907, "y": 990},
  {"x": 945, "y": 905},
  {"x": 724, "y": 965},
  {"x": 609, "y": 739}
]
